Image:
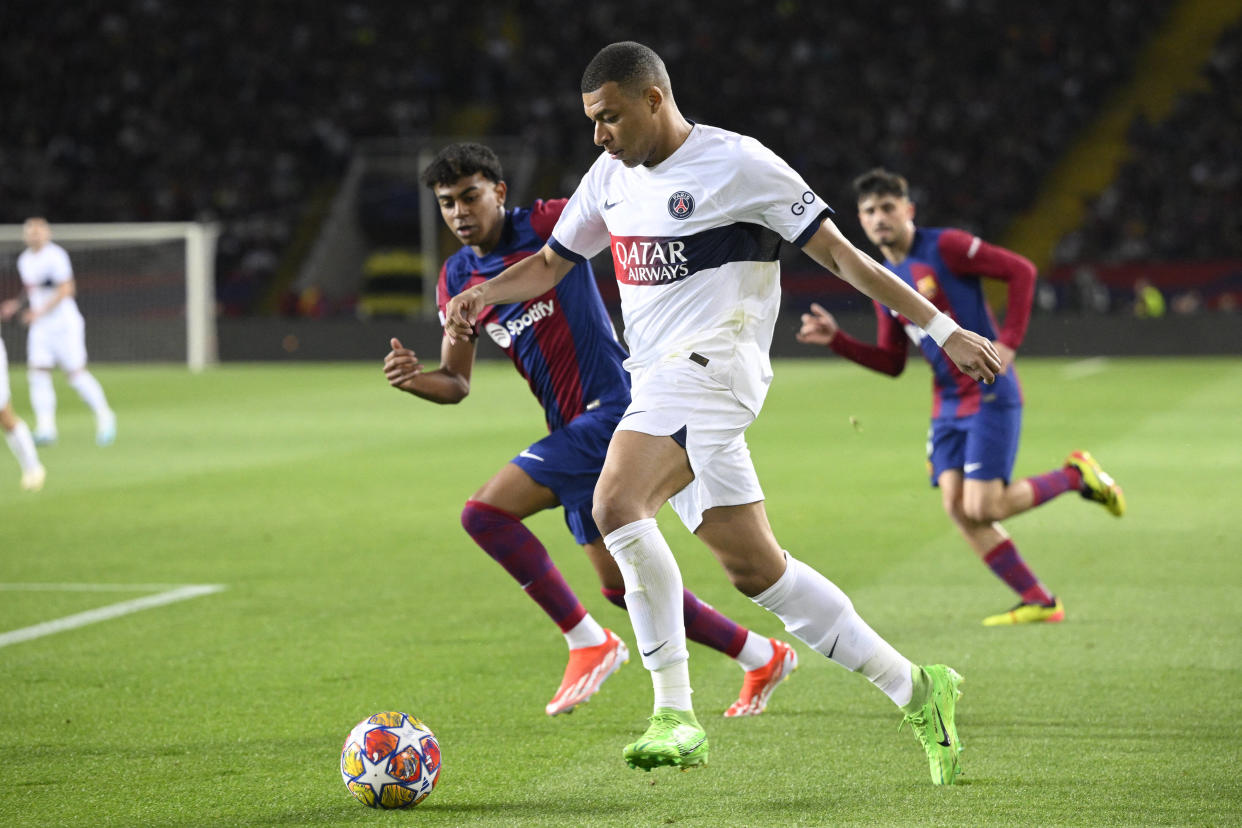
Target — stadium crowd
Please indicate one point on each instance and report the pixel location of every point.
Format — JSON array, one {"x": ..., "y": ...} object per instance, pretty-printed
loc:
[
  {"x": 247, "y": 114},
  {"x": 1179, "y": 194}
]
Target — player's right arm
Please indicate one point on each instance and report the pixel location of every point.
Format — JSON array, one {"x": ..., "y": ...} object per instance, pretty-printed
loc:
[
  {"x": 533, "y": 276},
  {"x": 887, "y": 355},
  {"x": 448, "y": 384}
]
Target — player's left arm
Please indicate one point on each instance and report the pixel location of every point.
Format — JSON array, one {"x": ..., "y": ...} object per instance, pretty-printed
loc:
[
  {"x": 967, "y": 254},
  {"x": 974, "y": 355}
]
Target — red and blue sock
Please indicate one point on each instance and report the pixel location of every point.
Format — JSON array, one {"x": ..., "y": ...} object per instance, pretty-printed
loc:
[
  {"x": 1008, "y": 565},
  {"x": 1058, "y": 482},
  {"x": 514, "y": 547}
]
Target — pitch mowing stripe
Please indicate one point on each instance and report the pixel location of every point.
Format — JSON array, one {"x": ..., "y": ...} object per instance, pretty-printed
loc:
[
  {"x": 82, "y": 619},
  {"x": 1084, "y": 368}
]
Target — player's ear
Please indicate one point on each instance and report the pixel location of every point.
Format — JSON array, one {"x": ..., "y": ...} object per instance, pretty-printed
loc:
[
  {"x": 502, "y": 190},
  {"x": 655, "y": 98}
]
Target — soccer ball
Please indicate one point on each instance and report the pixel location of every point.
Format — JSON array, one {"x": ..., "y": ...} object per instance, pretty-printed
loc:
[{"x": 390, "y": 760}]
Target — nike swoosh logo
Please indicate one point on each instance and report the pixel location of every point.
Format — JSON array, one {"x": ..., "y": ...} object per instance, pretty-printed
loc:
[
  {"x": 946, "y": 742},
  {"x": 969, "y": 467},
  {"x": 525, "y": 453},
  {"x": 631, "y": 414},
  {"x": 685, "y": 749},
  {"x": 833, "y": 648},
  {"x": 656, "y": 650},
  {"x": 608, "y": 205}
]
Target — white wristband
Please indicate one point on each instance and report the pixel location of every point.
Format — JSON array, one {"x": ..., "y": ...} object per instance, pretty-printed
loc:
[{"x": 940, "y": 328}]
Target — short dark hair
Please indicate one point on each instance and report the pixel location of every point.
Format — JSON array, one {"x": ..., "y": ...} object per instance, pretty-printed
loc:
[
  {"x": 631, "y": 65},
  {"x": 457, "y": 161},
  {"x": 881, "y": 182}
]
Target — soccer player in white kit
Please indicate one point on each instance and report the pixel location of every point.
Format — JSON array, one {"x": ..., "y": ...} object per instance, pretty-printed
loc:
[
  {"x": 16, "y": 432},
  {"x": 57, "y": 334},
  {"x": 694, "y": 217}
]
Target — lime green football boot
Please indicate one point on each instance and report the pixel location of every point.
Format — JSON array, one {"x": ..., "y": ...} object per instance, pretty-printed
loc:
[
  {"x": 934, "y": 726},
  {"x": 1025, "y": 613},
  {"x": 674, "y": 738},
  {"x": 1097, "y": 484}
]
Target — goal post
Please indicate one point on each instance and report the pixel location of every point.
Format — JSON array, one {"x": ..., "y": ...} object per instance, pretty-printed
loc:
[{"x": 146, "y": 289}]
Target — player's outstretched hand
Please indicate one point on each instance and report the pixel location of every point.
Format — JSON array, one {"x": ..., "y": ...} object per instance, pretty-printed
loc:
[
  {"x": 9, "y": 307},
  {"x": 974, "y": 355},
  {"x": 461, "y": 313},
  {"x": 401, "y": 366},
  {"x": 819, "y": 327}
]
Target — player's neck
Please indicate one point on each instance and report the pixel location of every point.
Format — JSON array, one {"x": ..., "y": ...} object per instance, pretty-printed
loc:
[
  {"x": 678, "y": 131},
  {"x": 900, "y": 248}
]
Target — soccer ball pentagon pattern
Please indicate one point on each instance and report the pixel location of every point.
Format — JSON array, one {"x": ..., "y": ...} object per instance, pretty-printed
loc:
[{"x": 390, "y": 760}]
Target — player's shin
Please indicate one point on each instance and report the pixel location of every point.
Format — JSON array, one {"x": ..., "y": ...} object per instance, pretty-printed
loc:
[
  {"x": 653, "y": 597},
  {"x": 821, "y": 615},
  {"x": 43, "y": 401}
]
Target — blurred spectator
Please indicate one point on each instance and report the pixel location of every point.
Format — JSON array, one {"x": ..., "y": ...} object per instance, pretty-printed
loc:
[{"x": 1179, "y": 195}]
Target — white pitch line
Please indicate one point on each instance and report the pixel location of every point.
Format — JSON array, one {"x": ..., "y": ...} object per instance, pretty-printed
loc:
[{"x": 82, "y": 619}]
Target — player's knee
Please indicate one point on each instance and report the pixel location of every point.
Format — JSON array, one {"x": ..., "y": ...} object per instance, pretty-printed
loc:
[
  {"x": 478, "y": 518},
  {"x": 981, "y": 511},
  {"x": 611, "y": 511},
  {"x": 956, "y": 510},
  {"x": 746, "y": 578}
]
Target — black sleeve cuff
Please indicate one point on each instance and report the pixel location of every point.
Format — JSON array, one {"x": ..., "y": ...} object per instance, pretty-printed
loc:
[
  {"x": 564, "y": 252},
  {"x": 809, "y": 230}
]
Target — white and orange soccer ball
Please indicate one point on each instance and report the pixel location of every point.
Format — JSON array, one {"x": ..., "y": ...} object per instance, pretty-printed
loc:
[{"x": 390, "y": 760}]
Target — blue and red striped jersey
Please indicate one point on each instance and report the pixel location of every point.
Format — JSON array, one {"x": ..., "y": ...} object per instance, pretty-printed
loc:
[
  {"x": 945, "y": 265},
  {"x": 959, "y": 294},
  {"x": 562, "y": 342}
]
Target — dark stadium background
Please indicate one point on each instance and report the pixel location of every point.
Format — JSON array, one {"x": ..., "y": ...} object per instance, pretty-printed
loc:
[{"x": 1099, "y": 139}]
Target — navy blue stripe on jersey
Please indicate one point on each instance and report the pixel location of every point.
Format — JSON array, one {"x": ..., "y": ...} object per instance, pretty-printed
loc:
[
  {"x": 648, "y": 260},
  {"x": 805, "y": 235},
  {"x": 564, "y": 252}
]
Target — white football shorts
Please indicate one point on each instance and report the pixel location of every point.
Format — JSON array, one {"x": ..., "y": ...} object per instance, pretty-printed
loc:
[
  {"x": 59, "y": 342},
  {"x": 704, "y": 395}
]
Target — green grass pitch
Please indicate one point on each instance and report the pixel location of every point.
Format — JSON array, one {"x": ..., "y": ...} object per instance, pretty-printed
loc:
[{"x": 327, "y": 504}]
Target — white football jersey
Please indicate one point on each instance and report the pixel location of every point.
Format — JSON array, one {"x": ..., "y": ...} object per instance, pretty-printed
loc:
[
  {"x": 694, "y": 242},
  {"x": 42, "y": 272}
]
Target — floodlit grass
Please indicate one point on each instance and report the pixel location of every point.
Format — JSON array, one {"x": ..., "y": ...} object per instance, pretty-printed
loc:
[{"x": 328, "y": 504}]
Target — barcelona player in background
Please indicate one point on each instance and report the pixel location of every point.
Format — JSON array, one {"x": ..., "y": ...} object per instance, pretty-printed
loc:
[
  {"x": 564, "y": 345},
  {"x": 974, "y": 429}
]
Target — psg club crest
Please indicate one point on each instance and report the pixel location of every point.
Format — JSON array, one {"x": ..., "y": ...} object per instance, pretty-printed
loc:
[{"x": 680, "y": 205}]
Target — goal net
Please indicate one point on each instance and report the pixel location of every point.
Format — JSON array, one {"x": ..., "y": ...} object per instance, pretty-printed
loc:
[{"x": 147, "y": 291}]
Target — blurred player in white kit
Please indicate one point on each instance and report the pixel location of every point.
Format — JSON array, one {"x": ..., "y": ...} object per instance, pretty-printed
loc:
[{"x": 57, "y": 334}]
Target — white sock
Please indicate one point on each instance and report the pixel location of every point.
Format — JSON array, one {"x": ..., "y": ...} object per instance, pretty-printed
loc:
[
  {"x": 672, "y": 686},
  {"x": 653, "y": 592},
  {"x": 892, "y": 672},
  {"x": 42, "y": 400},
  {"x": 756, "y": 652},
  {"x": 91, "y": 392},
  {"x": 820, "y": 614},
  {"x": 586, "y": 633},
  {"x": 22, "y": 445}
]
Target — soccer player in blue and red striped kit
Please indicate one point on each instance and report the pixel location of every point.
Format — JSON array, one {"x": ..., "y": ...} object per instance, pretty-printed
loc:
[
  {"x": 564, "y": 345},
  {"x": 974, "y": 429}
]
